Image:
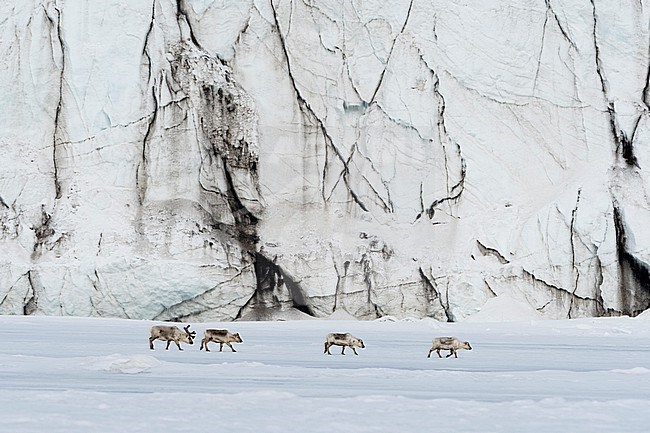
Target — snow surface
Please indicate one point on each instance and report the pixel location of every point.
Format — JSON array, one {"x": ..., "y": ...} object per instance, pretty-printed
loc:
[{"x": 65, "y": 374}]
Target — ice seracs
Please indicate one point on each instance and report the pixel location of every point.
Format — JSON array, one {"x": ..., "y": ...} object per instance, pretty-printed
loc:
[{"x": 403, "y": 159}]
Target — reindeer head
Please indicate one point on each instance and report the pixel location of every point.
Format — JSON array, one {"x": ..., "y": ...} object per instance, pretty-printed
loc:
[
  {"x": 238, "y": 338},
  {"x": 190, "y": 334}
]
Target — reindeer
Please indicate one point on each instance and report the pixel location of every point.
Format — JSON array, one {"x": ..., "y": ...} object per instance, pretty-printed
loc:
[
  {"x": 452, "y": 344},
  {"x": 345, "y": 340},
  {"x": 171, "y": 333},
  {"x": 221, "y": 336}
]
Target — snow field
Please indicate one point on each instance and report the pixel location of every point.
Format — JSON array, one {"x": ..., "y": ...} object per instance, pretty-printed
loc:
[{"x": 85, "y": 375}]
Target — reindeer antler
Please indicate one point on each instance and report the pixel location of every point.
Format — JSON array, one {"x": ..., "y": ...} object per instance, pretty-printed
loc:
[{"x": 187, "y": 329}]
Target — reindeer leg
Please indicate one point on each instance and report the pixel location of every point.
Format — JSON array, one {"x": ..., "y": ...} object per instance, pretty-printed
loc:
[
  {"x": 342, "y": 350},
  {"x": 151, "y": 340},
  {"x": 455, "y": 353},
  {"x": 355, "y": 351},
  {"x": 179, "y": 345},
  {"x": 220, "y": 347},
  {"x": 230, "y": 345},
  {"x": 327, "y": 348},
  {"x": 168, "y": 343},
  {"x": 439, "y": 355},
  {"x": 451, "y": 352},
  {"x": 206, "y": 345},
  {"x": 429, "y": 355}
]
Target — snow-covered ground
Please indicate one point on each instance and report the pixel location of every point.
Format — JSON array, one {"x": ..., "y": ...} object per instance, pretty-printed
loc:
[{"x": 63, "y": 374}]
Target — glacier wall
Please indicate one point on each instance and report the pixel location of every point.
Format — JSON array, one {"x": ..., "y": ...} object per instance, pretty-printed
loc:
[{"x": 215, "y": 160}]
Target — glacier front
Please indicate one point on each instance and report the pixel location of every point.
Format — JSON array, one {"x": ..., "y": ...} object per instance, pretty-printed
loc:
[{"x": 222, "y": 160}]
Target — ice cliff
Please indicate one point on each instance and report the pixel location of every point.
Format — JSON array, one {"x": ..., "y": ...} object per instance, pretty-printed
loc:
[{"x": 215, "y": 160}]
